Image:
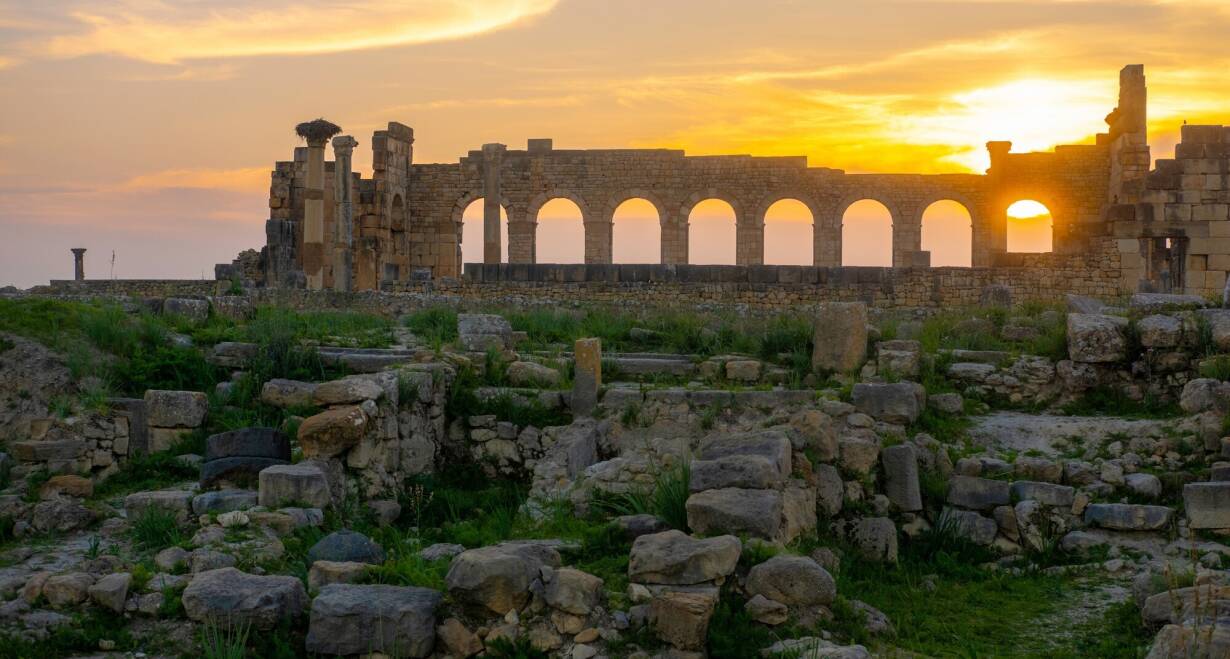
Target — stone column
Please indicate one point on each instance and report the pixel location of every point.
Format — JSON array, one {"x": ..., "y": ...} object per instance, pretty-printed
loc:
[
  {"x": 314, "y": 215},
  {"x": 493, "y": 155},
  {"x": 598, "y": 241},
  {"x": 522, "y": 233},
  {"x": 78, "y": 263},
  {"x": 674, "y": 240},
  {"x": 587, "y": 376},
  {"x": 749, "y": 242},
  {"x": 343, "y": 243}
]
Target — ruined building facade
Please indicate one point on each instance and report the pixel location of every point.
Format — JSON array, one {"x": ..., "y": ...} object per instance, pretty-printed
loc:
[{"x": 1165, "y": 229}]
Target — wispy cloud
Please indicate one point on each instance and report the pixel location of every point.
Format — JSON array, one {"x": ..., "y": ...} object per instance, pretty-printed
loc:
[
  {"x": 245, "y": 180},
  {"x": 168, "y": 33}
]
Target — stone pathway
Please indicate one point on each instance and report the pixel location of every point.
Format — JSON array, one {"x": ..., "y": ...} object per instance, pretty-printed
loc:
[{"x": 1017, "y": 431}]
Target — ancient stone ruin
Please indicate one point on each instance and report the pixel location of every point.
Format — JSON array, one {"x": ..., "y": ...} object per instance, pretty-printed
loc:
[{"x": 1117, "y": 224}]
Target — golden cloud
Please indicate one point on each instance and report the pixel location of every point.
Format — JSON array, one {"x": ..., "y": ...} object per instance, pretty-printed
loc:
[{"x": 168, "y": 33}]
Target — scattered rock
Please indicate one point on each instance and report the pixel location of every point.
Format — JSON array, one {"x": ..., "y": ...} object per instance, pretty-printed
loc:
[
  {"x": 674, "y": 558},
  {"x": 793, "y": 581},
  {"x": 346, "y": 546}
]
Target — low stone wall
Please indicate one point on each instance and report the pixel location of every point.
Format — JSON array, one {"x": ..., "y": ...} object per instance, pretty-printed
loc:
[
  {"x": 135, "y": 287},
  {"x": 1094, "y": 272}
]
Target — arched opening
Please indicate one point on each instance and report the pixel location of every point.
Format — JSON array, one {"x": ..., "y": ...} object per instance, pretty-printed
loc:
[
  {"x": 561, "y": 233},
  {"x": 948, "y": 233},
  {"x": 397, "y": 235},
  {"x": 788, "y": 227},
  {"x": 472, "y": 233},
  {"x": 711, "y": 233},
  {"x": 637, "y": 232},
  {"x": 1030, "y": 227},
  {"x": 867, "y": 234}
]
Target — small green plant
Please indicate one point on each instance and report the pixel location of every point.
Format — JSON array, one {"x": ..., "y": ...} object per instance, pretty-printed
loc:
[
  {"x": 155, "y": 529},
  {"x": 520, "y": 648},
  {"x": 224, "y": 640},
  {"x": 235, "y": 287},
  {"x": 1217, "y": 367},
  {"x": 94, "y": 548}
]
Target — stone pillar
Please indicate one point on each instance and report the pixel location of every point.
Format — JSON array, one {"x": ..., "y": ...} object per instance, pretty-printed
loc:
[
  {"x": 587, "y": 378},
  {"x": 314, "y": 215},
  {"x": 521, "y": 236},
  {"x": 493, "y": 156},
  {"x": 78, "y": 263},
  {"x": 826, "y": 241},
  {"x": 674, "y": 240},
  {"x": 343, "y": 243},
  {"x": 749, "y": 242},
  {"x": 907, "y": 240},
  {"x": 598, "y": 241}
]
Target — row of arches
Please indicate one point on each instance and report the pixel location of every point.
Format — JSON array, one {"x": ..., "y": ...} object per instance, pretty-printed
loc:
[{"x": 867, "y": 233}]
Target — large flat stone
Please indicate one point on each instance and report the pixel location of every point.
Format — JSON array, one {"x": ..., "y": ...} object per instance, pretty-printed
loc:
[
  {"x": 978, "y": 493},
  {"x": 675, "y": 558},
  {"x": 736, "y": 511},
  {"x": 248, "y": 443},
  {"x": 175, "y": 409},
  {"x": 1047, "y": 494},
  {"x": 1128, "y": 517},
  {"x": 351, "y": 619},
  {"x": 304, "y": 483},
  {"x": 897, "y": 402},
  {"x": 230, "y": 596},
  {"x": 1207, "y": 505}
]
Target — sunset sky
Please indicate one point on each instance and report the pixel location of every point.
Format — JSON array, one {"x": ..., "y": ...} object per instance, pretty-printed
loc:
[{"x": 148, "y": 127}]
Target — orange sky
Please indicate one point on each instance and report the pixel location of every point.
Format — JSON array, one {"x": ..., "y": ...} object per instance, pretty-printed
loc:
[{"x": 148, "y": 127}]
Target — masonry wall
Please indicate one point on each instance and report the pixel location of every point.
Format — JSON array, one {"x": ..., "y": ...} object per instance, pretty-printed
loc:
[{"x": 1094, "y": 271}]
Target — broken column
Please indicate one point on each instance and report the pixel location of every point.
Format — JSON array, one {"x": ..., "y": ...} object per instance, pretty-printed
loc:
[
  {"x": 78, "y": 263},
  {"x": 316, "y": 133},
  {"x": 493, "y": 155},
  {"x": 343, "y": 245},
  {"x": 587, "y": 379}
]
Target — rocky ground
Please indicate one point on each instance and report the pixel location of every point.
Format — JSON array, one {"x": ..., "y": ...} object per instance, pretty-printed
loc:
[{"x": 202, "y": 478}]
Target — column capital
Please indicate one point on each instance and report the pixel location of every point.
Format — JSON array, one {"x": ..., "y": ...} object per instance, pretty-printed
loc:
[
  {"x": 78, "y": 250},
  {"x": 343, "y": 145}
]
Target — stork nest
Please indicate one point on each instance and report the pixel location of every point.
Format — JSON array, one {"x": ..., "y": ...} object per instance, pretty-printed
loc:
[{"x": 317, "y": 130}]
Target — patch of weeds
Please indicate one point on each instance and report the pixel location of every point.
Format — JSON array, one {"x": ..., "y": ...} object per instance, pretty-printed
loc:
[
  {"x": 667, "y": 500},
  {"x": 80, "y": 637},
  {"x": 151, "y": 471},
  {"x": 1109, "y": 401},
  {"x": 947, "y": 428},
  {"x": 34, "y": 483},
  {"x": 521, "y": 648},
  {"x": 464, "y": 402},
  {"x": 1217, "y": 367},
  {"x": 732, "y": 632},
  {"x": 437, "y": 325},
  {"x": 154, "y": 530},
  {"x": 708, "y": 417},
  {"x": 224, "y": 640},
  {"x": 6, "y": 344},
  {"x": 1118, "y": 634}
]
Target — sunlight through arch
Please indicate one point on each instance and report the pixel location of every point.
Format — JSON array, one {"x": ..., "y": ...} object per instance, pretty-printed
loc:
[
  {"x": 788, "y": 227},
  {"x": 948, "y": 233},
  {"x": 1030, "y": 227},
  {"x": 637, "y": 232},
  {"x": 711, "y": 233},
  {"x": 472, "y": 233},
  {"x": 867, "y": 234},
  {"x": 561, "y": 232}
]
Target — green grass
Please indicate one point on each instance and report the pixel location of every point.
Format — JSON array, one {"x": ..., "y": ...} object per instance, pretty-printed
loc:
[
  {"x": 667, "y": 499},
  {"x": 154, "y": 530},
  {"x": 1109, "y": 401},
  {"x": 146, "y": 472},
  {"x": 221, "y": 640},
  {"x": 436, "y": 325},
  {"x": 81, "y": 636}
]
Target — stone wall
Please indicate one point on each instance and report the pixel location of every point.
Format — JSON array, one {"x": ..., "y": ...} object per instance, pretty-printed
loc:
[{"x": 1094, "y": 272}]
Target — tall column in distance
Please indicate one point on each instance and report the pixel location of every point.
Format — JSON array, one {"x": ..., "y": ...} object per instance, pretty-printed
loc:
[
  {"x": 78, "y": 263},
  {"x": 343, "y": 244},
  {"x": 493, "y": 156},
  {"x": 316, "y": 133}
]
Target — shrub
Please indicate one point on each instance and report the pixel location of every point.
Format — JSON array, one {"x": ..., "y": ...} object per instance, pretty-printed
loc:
[{"x": 1217, "y": 367}]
